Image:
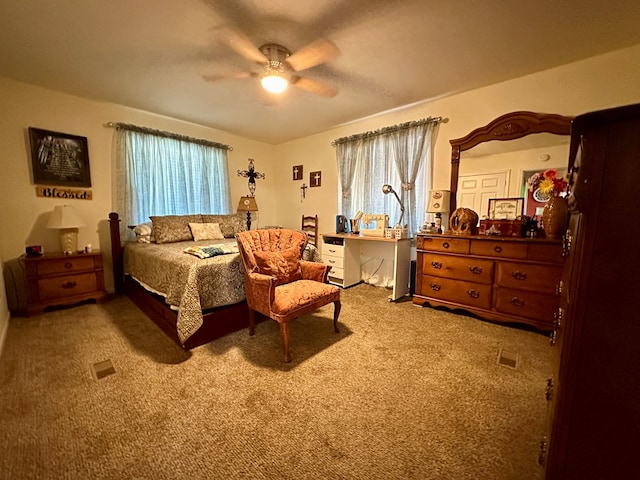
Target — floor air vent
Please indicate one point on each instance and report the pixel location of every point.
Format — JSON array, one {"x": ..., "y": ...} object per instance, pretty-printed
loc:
[
  {"x": 507, "y": 359},
  {"x": 103, "y": 369}
]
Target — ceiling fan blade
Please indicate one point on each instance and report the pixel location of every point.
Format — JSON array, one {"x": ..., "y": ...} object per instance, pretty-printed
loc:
[
  {"x": 320, "y": 51},
  {"x": 239, "y": 42},
  {"x": 216, "y": 78},
  {"x": 314, "y": 86}
]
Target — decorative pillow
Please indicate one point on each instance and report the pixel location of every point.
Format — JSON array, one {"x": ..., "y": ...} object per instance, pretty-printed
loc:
[
  {"x": 206, "y": 231},
  {"x": 284, "y": 265},
  {"x": 229, "y": 224},
  {"x": 173, "y": 228},
  {"x": 143, "y": 233}
]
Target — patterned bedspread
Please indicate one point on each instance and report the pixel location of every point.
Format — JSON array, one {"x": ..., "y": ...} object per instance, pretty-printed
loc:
[{"x": 188, "y": 283}]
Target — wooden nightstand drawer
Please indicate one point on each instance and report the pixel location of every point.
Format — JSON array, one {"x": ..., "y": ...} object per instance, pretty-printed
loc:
[
  {"x": 66, "y": 264},
  {"x": 68, "y": 285},
  {"x": 55, "y": 279}
]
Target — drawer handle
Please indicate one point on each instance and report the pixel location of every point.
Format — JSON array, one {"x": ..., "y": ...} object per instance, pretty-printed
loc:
[
  {"x": 445, "y": 245},
  {"x": 331, "y": 261},
  {"x": 434, "y": 286},
  {"x": 516, "y": 302},
  {"x": 475, "y": 270},
  {"x": 518, "y": 275},
  {"x": 473, "y": 293},
  {"x": 497, "y": 249},
  {"x": 68, "y": 265},
  {"x": 437, "y": 265},
  {"x": 69, "y": 284},
  {"x": 332, "y": 251}
]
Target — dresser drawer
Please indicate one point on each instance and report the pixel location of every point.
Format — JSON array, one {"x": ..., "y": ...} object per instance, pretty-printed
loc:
[
  {"x": 546, "y": 252},
  {"x": 445, "y": 244},
  {"x": 534, "y": 305},
  {"x": 499, "y": 249},
  {"x": 459, "y": 268},
  {"x": 64, "y": 265},
  {"x": 336, "y": 272},
  {"x": 539, "y": 278},
  {"x": 332, "y": 250},
  {"x": 468, "y": 293},
  {"x": 337, "y": 262},
  {"x": 68, "y": 285}
]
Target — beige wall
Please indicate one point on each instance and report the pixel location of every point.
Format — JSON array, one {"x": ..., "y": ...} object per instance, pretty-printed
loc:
[
  {"x": 600, "y": 82},
  {"x": 24, "y": 215}
]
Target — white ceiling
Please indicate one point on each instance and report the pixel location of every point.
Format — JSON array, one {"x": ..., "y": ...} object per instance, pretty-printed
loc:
[{"x": 152, "y": 54}]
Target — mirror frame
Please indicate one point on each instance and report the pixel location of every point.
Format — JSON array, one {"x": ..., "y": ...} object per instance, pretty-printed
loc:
[{"x": 509, "y": 126}]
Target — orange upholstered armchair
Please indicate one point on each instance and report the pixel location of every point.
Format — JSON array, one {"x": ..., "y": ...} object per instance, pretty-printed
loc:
[{"x": 278, "y": 283}]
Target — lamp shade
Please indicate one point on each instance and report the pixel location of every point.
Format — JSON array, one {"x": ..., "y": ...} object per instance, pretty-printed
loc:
[
  {"x": 64, "y": 216},
  {"x": 247, "y": 204},
  {"x": 439, "y": 201}
]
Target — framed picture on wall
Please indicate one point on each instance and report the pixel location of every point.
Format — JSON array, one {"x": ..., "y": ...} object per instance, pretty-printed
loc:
[{"x": 59, "y": 158}]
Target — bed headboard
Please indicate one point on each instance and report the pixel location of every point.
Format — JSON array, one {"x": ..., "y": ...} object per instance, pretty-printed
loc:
[{"x": 116, "y": 252}]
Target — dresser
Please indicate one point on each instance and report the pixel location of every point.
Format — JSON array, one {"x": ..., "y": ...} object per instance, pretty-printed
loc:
[
  {"x": 56, "y": 279},
  {"x": 511, "y": 280},
  {"x": 594, "y": 391}
]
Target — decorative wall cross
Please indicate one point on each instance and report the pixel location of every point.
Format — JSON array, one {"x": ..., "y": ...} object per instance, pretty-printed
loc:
[
  {"x": 315, "y": 179},
  {"x": 252, "y": 175}
]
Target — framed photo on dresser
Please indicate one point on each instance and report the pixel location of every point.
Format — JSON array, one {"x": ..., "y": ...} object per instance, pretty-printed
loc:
[{"x": 505, "y": 208}]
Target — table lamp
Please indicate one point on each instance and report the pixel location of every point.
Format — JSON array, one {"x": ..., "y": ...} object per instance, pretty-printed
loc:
[
  {"x": 65, "y": 219},
  {"x": 248, "y": 204},
  {"x": 389, "y": 189},
  {"x": 439, "y": 204}
]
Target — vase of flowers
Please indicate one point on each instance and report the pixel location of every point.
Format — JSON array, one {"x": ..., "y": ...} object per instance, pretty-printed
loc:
[{"x": 548, "y": 187}]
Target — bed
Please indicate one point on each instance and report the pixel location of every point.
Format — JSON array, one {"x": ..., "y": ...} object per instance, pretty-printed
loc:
[
  {"x": 193, "y": 300},
  {"x": 191, "y": 287}
]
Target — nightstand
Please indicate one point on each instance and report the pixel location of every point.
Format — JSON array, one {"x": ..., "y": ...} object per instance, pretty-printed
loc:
[{"x": 56, "y": 279}]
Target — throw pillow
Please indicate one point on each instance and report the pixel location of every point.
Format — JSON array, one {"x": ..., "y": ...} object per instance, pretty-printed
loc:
[
  {"x": 284, "y": 265},
  {"x": 206, "y": 231},
  {"x": 173, "y": 228}
]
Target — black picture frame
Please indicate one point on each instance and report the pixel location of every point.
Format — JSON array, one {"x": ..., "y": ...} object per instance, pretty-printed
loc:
[{"x": 59, "y": 158}]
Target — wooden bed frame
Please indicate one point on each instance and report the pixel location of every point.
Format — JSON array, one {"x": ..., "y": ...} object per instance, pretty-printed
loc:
[{"x": 217, "y": 322}]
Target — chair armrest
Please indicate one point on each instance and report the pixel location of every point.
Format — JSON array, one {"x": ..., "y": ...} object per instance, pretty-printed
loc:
[
  {"x": 260, "y": 290},
  {"x": 314, "y": 271}
]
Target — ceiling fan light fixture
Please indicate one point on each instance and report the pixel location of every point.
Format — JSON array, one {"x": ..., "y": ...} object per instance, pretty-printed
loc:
[{"x": 274, "y": 83}]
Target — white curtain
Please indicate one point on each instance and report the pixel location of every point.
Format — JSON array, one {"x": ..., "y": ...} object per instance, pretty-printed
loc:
[
  {"x": 159, "y": 175},
  {"x": 401, "y": 156}
]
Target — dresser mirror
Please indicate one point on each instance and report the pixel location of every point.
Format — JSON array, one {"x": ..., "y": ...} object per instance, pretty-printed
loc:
[{"x": 500, "y": 156}]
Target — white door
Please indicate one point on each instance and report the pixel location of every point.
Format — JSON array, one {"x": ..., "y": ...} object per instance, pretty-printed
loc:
[{"x": 474, "y": 191}]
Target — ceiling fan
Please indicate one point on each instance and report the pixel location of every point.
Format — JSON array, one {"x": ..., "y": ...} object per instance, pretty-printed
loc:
[{"x": 280, "y": 67}]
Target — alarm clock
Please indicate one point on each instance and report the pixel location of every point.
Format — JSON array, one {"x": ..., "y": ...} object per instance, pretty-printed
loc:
[{"x": 34, "y": 250}]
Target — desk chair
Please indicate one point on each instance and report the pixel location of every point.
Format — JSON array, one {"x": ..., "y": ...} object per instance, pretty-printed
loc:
[{"x": 310, "y": 227}]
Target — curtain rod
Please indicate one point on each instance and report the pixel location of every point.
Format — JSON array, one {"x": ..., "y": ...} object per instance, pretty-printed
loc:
[
  {"x": 384, "y": 130},
  {"x": 175, "y": 136}
]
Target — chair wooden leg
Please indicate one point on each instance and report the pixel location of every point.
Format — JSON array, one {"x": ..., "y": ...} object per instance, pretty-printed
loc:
[
  {"x": 336, "y": 313},
  {"x": 252, "y": 321},
  {"x": 284, "y": 330}
]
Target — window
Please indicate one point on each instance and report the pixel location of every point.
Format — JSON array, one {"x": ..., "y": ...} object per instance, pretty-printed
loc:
[
  {"x": 400, "y": 156},
  {"x": 165, "y": 174}
]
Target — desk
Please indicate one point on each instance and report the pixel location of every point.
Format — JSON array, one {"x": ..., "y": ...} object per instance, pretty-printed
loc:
[{"x": 343, "y": 250}]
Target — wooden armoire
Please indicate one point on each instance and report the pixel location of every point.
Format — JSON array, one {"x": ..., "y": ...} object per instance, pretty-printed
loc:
[{"x": 594, "y": 396}]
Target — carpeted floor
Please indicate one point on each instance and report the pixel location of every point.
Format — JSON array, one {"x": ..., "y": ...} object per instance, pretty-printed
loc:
[{"x": 401, "y": 393}]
